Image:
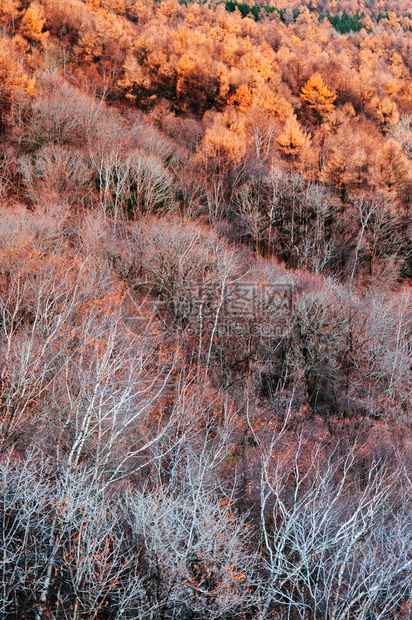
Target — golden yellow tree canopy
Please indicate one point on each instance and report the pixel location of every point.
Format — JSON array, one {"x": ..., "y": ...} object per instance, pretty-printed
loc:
[
  {"x": 317, "y": 95},
  {"x": 293, "y": 138}
]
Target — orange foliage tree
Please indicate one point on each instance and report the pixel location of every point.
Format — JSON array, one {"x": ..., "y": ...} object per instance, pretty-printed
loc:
[
  {"x": 292, "y": 139},
  {"x": 32, "y": 24},
  {"x": 317, "y": 95}
]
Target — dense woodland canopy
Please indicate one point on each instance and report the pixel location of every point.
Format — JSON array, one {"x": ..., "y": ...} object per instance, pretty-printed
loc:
[{"x": 205, "y": 310}]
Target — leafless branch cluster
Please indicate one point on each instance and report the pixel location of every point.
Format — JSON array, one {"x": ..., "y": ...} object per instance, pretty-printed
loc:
[
  {"x": 339, "y": 543},
  {"x": 70, "y": 549}
]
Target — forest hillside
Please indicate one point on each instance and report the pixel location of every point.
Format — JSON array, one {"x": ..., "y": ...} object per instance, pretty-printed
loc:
[{"x": 205, "y": 310}]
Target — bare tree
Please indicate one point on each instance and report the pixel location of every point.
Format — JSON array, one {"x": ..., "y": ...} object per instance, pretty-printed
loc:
[
  {"x": 57, "y": 172},
  {"x": 194, "y": 557},
  {"x": 70, "y": 548},
  {"x": 132, "y": 183},
  {"x": 340, "y": 545}
]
